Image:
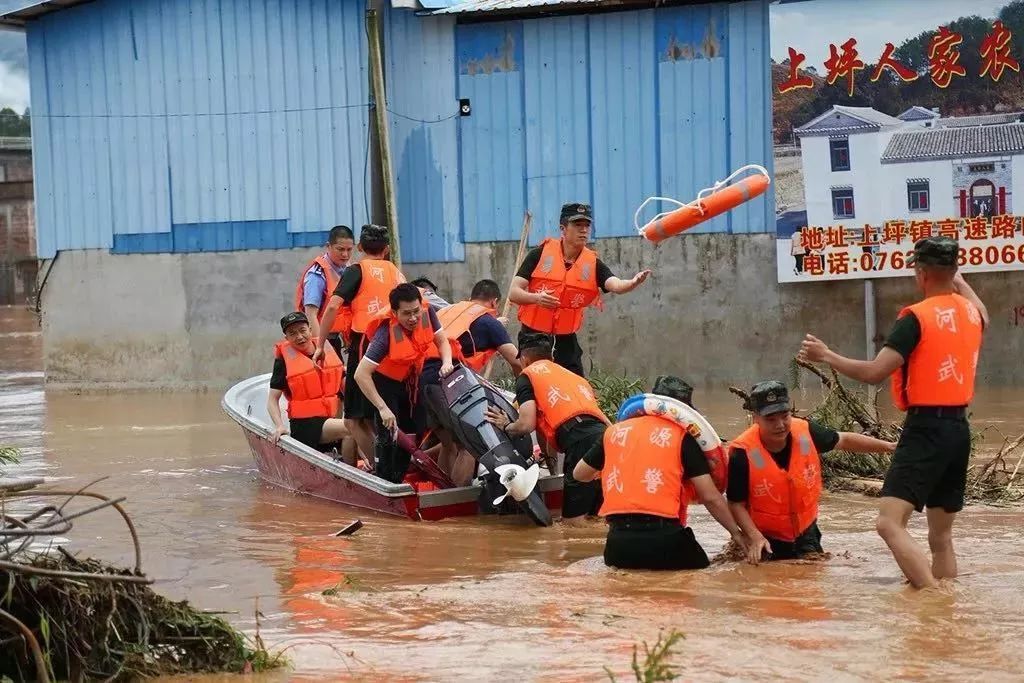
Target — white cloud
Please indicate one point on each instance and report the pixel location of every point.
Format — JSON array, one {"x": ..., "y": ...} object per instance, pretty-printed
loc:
[
  {"x": 811, "y": 26},
  {"x": 13, "y": 88}
]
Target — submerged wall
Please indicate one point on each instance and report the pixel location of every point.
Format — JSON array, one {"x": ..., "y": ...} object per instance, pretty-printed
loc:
[{"x": 712, "y": 312}]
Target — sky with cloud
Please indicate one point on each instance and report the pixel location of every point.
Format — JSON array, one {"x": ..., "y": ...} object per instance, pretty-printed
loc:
[
  {"x": 13, "y": 71},
  {"x": 809, "y": 27}
]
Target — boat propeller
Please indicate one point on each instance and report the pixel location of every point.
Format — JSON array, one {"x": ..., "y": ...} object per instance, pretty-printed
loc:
[{"x": 518, "y": 482}]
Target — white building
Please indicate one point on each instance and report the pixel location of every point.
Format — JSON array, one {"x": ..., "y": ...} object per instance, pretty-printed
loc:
[{"x": 861, "y": 166}]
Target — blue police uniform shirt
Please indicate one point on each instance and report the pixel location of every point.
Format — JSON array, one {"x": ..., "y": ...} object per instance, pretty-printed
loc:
[{"x": 314, "y": 284}]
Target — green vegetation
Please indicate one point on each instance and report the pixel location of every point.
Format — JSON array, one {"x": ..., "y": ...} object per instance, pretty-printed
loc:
[
  {"x": 118, "y": 630},
  {"x": 655, "y": 666},
  {"x": 967, "y": 94}
]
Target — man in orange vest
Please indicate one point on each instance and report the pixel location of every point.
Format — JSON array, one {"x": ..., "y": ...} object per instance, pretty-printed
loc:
[
  {"x": 475, "y": 336},
  {"x": 364, "y": 290},
  {"x": 320, "y": 278},
  {"x": 558, "y": 280},
  {"x": 645, "y": 463},
  {"x": 775, "y": 475},
  {"x": 389, "y": 371},
  {"x": 311, "y": 390},
  {"x": 931, "y": 356},
  {"x": 562, "y": 407}
]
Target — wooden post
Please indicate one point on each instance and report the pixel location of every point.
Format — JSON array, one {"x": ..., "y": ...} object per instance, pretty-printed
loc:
[
  {"x": 523, "y": 239},
  {"x": 383, "y": 133}
]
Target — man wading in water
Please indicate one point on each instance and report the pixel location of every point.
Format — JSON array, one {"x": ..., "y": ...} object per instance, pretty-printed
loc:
[{"x": 932, "y": 356}]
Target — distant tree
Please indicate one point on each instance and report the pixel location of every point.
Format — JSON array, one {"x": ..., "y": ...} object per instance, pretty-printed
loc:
[{"x": 13, "y": 124}]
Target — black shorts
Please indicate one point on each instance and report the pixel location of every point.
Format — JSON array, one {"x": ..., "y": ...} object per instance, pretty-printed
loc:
[
  {"x": 567, "y": 351},
  {"x": 335, "y": 341},
  {"x": 636, "y": 543},
  {"x": 435, "y": 408},
  {"x": 580, "y": 498},
  {"x": 807, "y": 542},
  {"x": 393, "y": 461},
  {"x": 357, "y": 406},
  {"x": 929, "y": 467},
  {"x": 307, "y": 430}
]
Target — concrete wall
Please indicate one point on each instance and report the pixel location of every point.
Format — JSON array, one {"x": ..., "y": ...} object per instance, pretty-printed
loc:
[{"x": 712, "y": 312}]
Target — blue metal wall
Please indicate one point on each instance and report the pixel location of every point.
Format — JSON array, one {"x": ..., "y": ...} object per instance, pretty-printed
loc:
[
  {"x": 201, "y": 125},
  {"x": 611, "y": 109},
  {"x": 198, "y": 125}
]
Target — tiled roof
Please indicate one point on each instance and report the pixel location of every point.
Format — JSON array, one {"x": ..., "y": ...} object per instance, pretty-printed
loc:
[
  {"x": 952, "y": 143},
  {"x": 870, "y": 115},
  {"x": 917, "y": 113},
  {"x": 980, "y": 120}
]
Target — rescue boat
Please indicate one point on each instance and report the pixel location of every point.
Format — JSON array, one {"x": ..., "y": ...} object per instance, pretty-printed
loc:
[{"x": 423, "y": 495}]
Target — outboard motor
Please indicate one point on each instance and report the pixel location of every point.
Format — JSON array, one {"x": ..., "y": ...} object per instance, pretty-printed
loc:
[{"x": 507, "y": 460}]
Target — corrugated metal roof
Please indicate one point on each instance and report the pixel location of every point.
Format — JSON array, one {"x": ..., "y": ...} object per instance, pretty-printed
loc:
[
  {"x": 471, "y": 6},
  {"x": 952, "y": 143},
  {"x": 16, "y": 144},
  {"x": 17, "y": 12}
]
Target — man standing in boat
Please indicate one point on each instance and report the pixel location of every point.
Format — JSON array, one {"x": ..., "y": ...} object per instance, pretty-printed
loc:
[
  {"x": 558, "y": 280},
  {"x": 775, "y": 474},
  {"x": 563, "y": 408},
  {"x": 645, "y": 463},
  {"x": 319, "y": 280},
  {"x": 311, "y": 390},
  {"x": 475, "y": 335},
  {"x": 931, "y": 356},
  {"x": 364, "y": 290},
  {"x": 389, "y": 371}
]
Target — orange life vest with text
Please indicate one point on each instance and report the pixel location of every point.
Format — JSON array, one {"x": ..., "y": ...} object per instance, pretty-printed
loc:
[
  {"x": 379, "y": 277},
  {"x": 576, "y": 288},
  {"x": 343, "y": 320},
  {"x": 406, "y": 350},
  {"x": 312, "y": 390},
  {"x": 782, "y": 504},
  {"x": 942, "y": 367},
  {"x": 560, "y": 396},
  {"x": 455, "y": 321},
  {"x": 643, "y": 469}
]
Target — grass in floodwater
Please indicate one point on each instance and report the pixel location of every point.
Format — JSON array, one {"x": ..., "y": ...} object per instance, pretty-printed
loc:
[{"x": 655, "y": 666}]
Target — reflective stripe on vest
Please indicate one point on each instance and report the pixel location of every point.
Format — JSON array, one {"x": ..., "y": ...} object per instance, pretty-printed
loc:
[
  {"x": 942, "y": 367},
  {"x": 343, "y": 319},
  {"x": 576, "y": 288},
  {"x": 455, "y": 321},
  {"x": 560, "y": 396},
  {"x": 406, "y": 352},
  {"x": 643, "y": 469},
  {"x": 379, "y": 277},
  {"x": 312, "y": 391},
  {"x": 782, "y": 504}
]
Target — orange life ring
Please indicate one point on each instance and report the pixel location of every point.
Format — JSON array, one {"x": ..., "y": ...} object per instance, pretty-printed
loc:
[{"x": 722, "y": 198}]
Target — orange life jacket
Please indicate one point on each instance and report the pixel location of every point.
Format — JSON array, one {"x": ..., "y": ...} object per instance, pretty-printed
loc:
[
  {"x": 406, "y": 351},
  {"x": 941, "y": 368},
  {"x": 782, "y": 504},
  {"x": 455, "y": 321},
  {"x": 560, "y": 396},
  {"x": 576, "y": 288},
  {"x": 379, "y": 277},
  {"x": 343, "y": 320},
  {"x": 312, "y": 391},
  {"x": 643, "y": 468}
]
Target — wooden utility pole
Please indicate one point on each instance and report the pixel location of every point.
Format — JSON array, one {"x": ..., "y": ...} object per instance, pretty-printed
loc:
[{"x": 380, "y": 109}]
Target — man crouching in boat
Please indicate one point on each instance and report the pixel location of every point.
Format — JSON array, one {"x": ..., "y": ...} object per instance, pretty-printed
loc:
[
  {"x": 562, "y": 406},
  {"x": 390, "y": 369},
  {"x": 775, "y": 475},
  {"x": 311, "y": 390},
  {"x": 645, "y": 462}
]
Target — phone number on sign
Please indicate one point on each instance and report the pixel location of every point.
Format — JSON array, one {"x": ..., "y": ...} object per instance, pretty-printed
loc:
[{"x": 841, "y": 263}]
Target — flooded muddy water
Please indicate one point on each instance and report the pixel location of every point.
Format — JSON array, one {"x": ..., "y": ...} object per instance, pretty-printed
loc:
[{"x": 499, "y": 599}]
